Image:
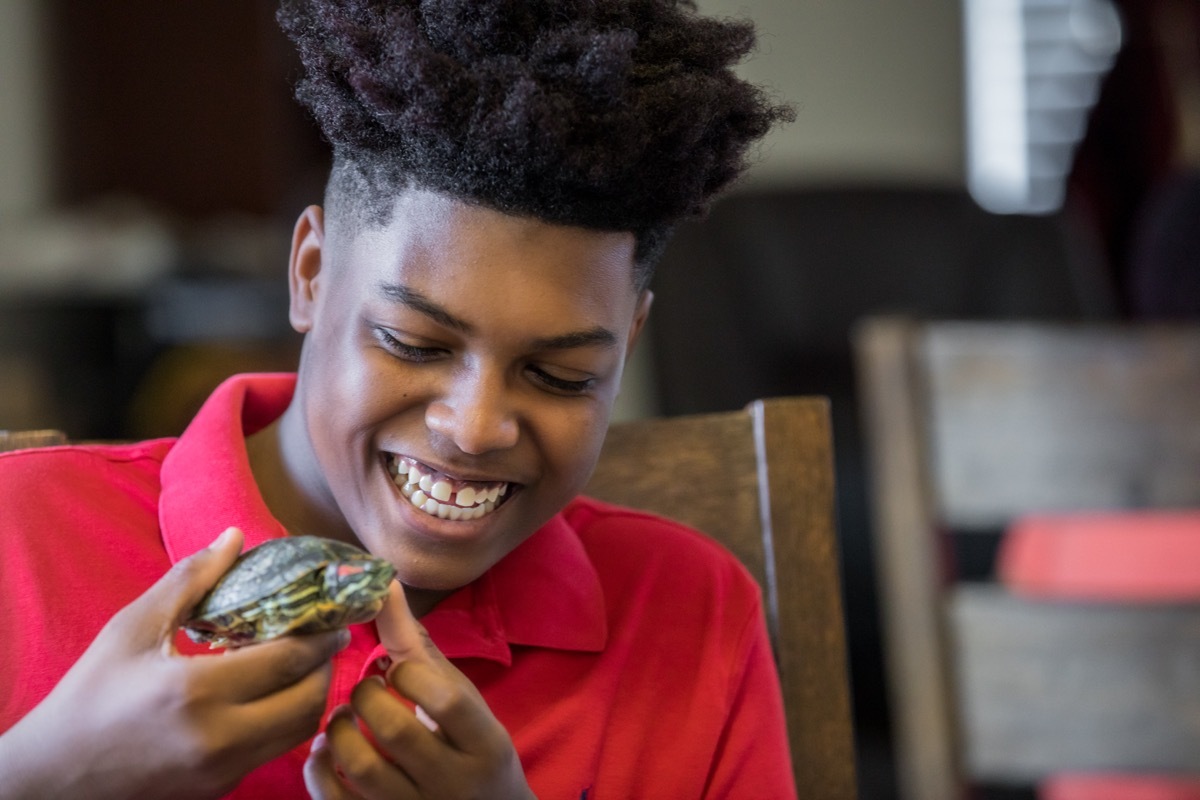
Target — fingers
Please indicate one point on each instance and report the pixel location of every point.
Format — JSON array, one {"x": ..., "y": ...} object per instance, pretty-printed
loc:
[
  {"x": 471, "y": 755},
  {"x": 153, "y": 618},
  {"x": 320, "y": 775},
  {"x": 401, "y": 634},
  {"x": 364, "y": 769},
  {"x": 421, "y": 673},
  {"x": 453, "y": 702},
  {"x": 264, "y": 669},
  {"x": 399, "y": 733},
  {"x": 274, "y": 694},
  {"x": 274, "y": 724}
]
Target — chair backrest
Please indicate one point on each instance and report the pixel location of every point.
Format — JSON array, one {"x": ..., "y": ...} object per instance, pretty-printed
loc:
[
  {"x": 16, "y": 440},
  {"x": 760, "y": 481},
  {"x": 970, "y": 425}
]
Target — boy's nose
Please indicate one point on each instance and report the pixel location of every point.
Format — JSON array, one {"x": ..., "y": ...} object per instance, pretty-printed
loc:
[{"x": 475, "y": 416}]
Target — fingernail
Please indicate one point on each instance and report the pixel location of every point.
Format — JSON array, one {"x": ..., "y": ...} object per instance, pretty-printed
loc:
[
  {"x": 222, "y": 539},
  {"x": 318, "y": 742},
  {"x": 426, "y": 720},
  {"x": 343, "y": 640}
]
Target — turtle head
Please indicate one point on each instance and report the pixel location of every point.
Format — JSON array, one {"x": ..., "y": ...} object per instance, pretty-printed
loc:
[{"x": 359, "y": 586}]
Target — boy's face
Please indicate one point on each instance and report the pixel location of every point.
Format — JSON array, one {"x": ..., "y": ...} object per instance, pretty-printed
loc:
[{"x": 479, "y": 351}]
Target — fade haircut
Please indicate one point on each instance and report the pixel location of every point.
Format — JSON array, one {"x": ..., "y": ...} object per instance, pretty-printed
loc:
[{"x": 619, "y": 115}]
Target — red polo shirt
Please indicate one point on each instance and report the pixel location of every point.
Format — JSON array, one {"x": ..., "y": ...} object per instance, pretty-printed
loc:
[{"x": 626, "y": 655}]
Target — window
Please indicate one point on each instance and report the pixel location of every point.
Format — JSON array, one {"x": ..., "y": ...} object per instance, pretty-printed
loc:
[{"x": 1033, "y": 71}]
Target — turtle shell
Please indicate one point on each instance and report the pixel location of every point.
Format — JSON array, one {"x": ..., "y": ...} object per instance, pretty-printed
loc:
[{"x": 285, "y": 586}]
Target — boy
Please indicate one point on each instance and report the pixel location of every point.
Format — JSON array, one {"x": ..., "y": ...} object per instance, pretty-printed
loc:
[{"x": 505, "y": 174}]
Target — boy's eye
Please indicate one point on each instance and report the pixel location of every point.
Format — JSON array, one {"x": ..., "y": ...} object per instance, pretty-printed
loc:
[
  {"x": 407, "y": 352},
  {"x": 416, "y": 354},
  {"x": 561, "y": 385}
]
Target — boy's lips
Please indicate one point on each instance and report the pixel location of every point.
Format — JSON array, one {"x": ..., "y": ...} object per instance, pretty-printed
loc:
[{"x": 442, "y": 496}]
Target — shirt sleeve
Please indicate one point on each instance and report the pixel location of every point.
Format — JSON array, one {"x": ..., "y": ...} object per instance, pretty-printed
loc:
[{"x": 753, "y": 759}]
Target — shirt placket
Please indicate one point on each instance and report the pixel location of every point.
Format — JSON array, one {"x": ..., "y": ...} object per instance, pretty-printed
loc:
[{"x": 362, "y": 658}]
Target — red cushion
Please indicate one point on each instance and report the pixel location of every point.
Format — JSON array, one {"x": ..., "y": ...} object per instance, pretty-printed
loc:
[
  {"x": 1133, "y": 556},
  {"x": 1142, "y": 555}
]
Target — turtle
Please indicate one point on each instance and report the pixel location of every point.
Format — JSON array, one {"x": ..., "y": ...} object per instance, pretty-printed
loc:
[{"x": 295, "y": 584}]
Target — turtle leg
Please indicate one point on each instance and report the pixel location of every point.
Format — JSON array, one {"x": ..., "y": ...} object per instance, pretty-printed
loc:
[{"x": 316, "y": 619}]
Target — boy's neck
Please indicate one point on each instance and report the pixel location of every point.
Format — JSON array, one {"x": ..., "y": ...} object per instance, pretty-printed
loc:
[{"x": 293, "y": 507}]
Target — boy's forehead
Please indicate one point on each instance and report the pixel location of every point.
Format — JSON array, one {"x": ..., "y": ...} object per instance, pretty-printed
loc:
[{"x": 424, "y": 227}]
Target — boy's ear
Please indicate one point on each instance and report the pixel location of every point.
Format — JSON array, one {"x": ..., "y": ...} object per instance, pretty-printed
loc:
[
  {"x": 304, "y": 267},
  {"x": 640, "y": 314}
]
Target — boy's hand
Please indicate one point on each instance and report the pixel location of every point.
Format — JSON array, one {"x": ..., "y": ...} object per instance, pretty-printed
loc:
[
  {"x": 133, "y": 718},
  {"x": 460, "y": 751}
]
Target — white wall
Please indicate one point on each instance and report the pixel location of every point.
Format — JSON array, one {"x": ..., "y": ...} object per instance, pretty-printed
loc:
[
  {"x": 877, "y": 85},
  {"x": 24, "y": 169}
]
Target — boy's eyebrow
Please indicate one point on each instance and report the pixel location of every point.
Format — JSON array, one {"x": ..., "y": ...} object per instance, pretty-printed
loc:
[
  {"x": 593, "y": 336},
  {"x": 418, "y": 302}
]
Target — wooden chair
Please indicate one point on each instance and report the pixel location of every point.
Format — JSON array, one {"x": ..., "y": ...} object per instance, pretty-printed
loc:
[
  {"x": 970, "y": 425},
  {"x": 16, "y": 440},
  {"x": 760, "y": 481}
]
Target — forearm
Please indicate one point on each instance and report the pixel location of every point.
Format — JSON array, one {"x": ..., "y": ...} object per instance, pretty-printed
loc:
[{"x": 31, "y": 767}]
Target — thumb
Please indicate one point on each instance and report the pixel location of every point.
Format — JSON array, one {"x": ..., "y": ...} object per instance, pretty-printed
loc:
[
  {"x": 404, "y": 638},
  {"x": 157, "y": 614}
]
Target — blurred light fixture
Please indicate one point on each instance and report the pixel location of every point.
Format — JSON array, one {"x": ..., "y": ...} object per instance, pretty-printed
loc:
[{"x": 1033, "y": 72}]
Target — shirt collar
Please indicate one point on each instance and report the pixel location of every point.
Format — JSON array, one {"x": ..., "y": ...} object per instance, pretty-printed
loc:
[
  {"x": 206, "y": 480},
  {"x": 546, "y": 593}
]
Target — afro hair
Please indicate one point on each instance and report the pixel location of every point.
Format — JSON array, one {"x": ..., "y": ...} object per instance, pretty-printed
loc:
[{"x": 607, "y": 114}]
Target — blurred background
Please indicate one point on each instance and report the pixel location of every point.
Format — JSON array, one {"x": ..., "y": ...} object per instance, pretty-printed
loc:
[{"x": 982, "y": 159}]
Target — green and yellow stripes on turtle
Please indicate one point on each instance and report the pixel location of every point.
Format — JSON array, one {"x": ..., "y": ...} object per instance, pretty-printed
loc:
[{"x": 298, "y": 584}]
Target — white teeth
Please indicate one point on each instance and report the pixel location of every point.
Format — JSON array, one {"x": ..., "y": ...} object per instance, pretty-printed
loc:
[
  {"x": 447, "y": 511},
  {"x": 437, "y": 497}
]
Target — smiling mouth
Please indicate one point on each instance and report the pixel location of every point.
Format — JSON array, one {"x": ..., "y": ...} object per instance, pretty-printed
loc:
[{"x": 444, "y": 497}]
